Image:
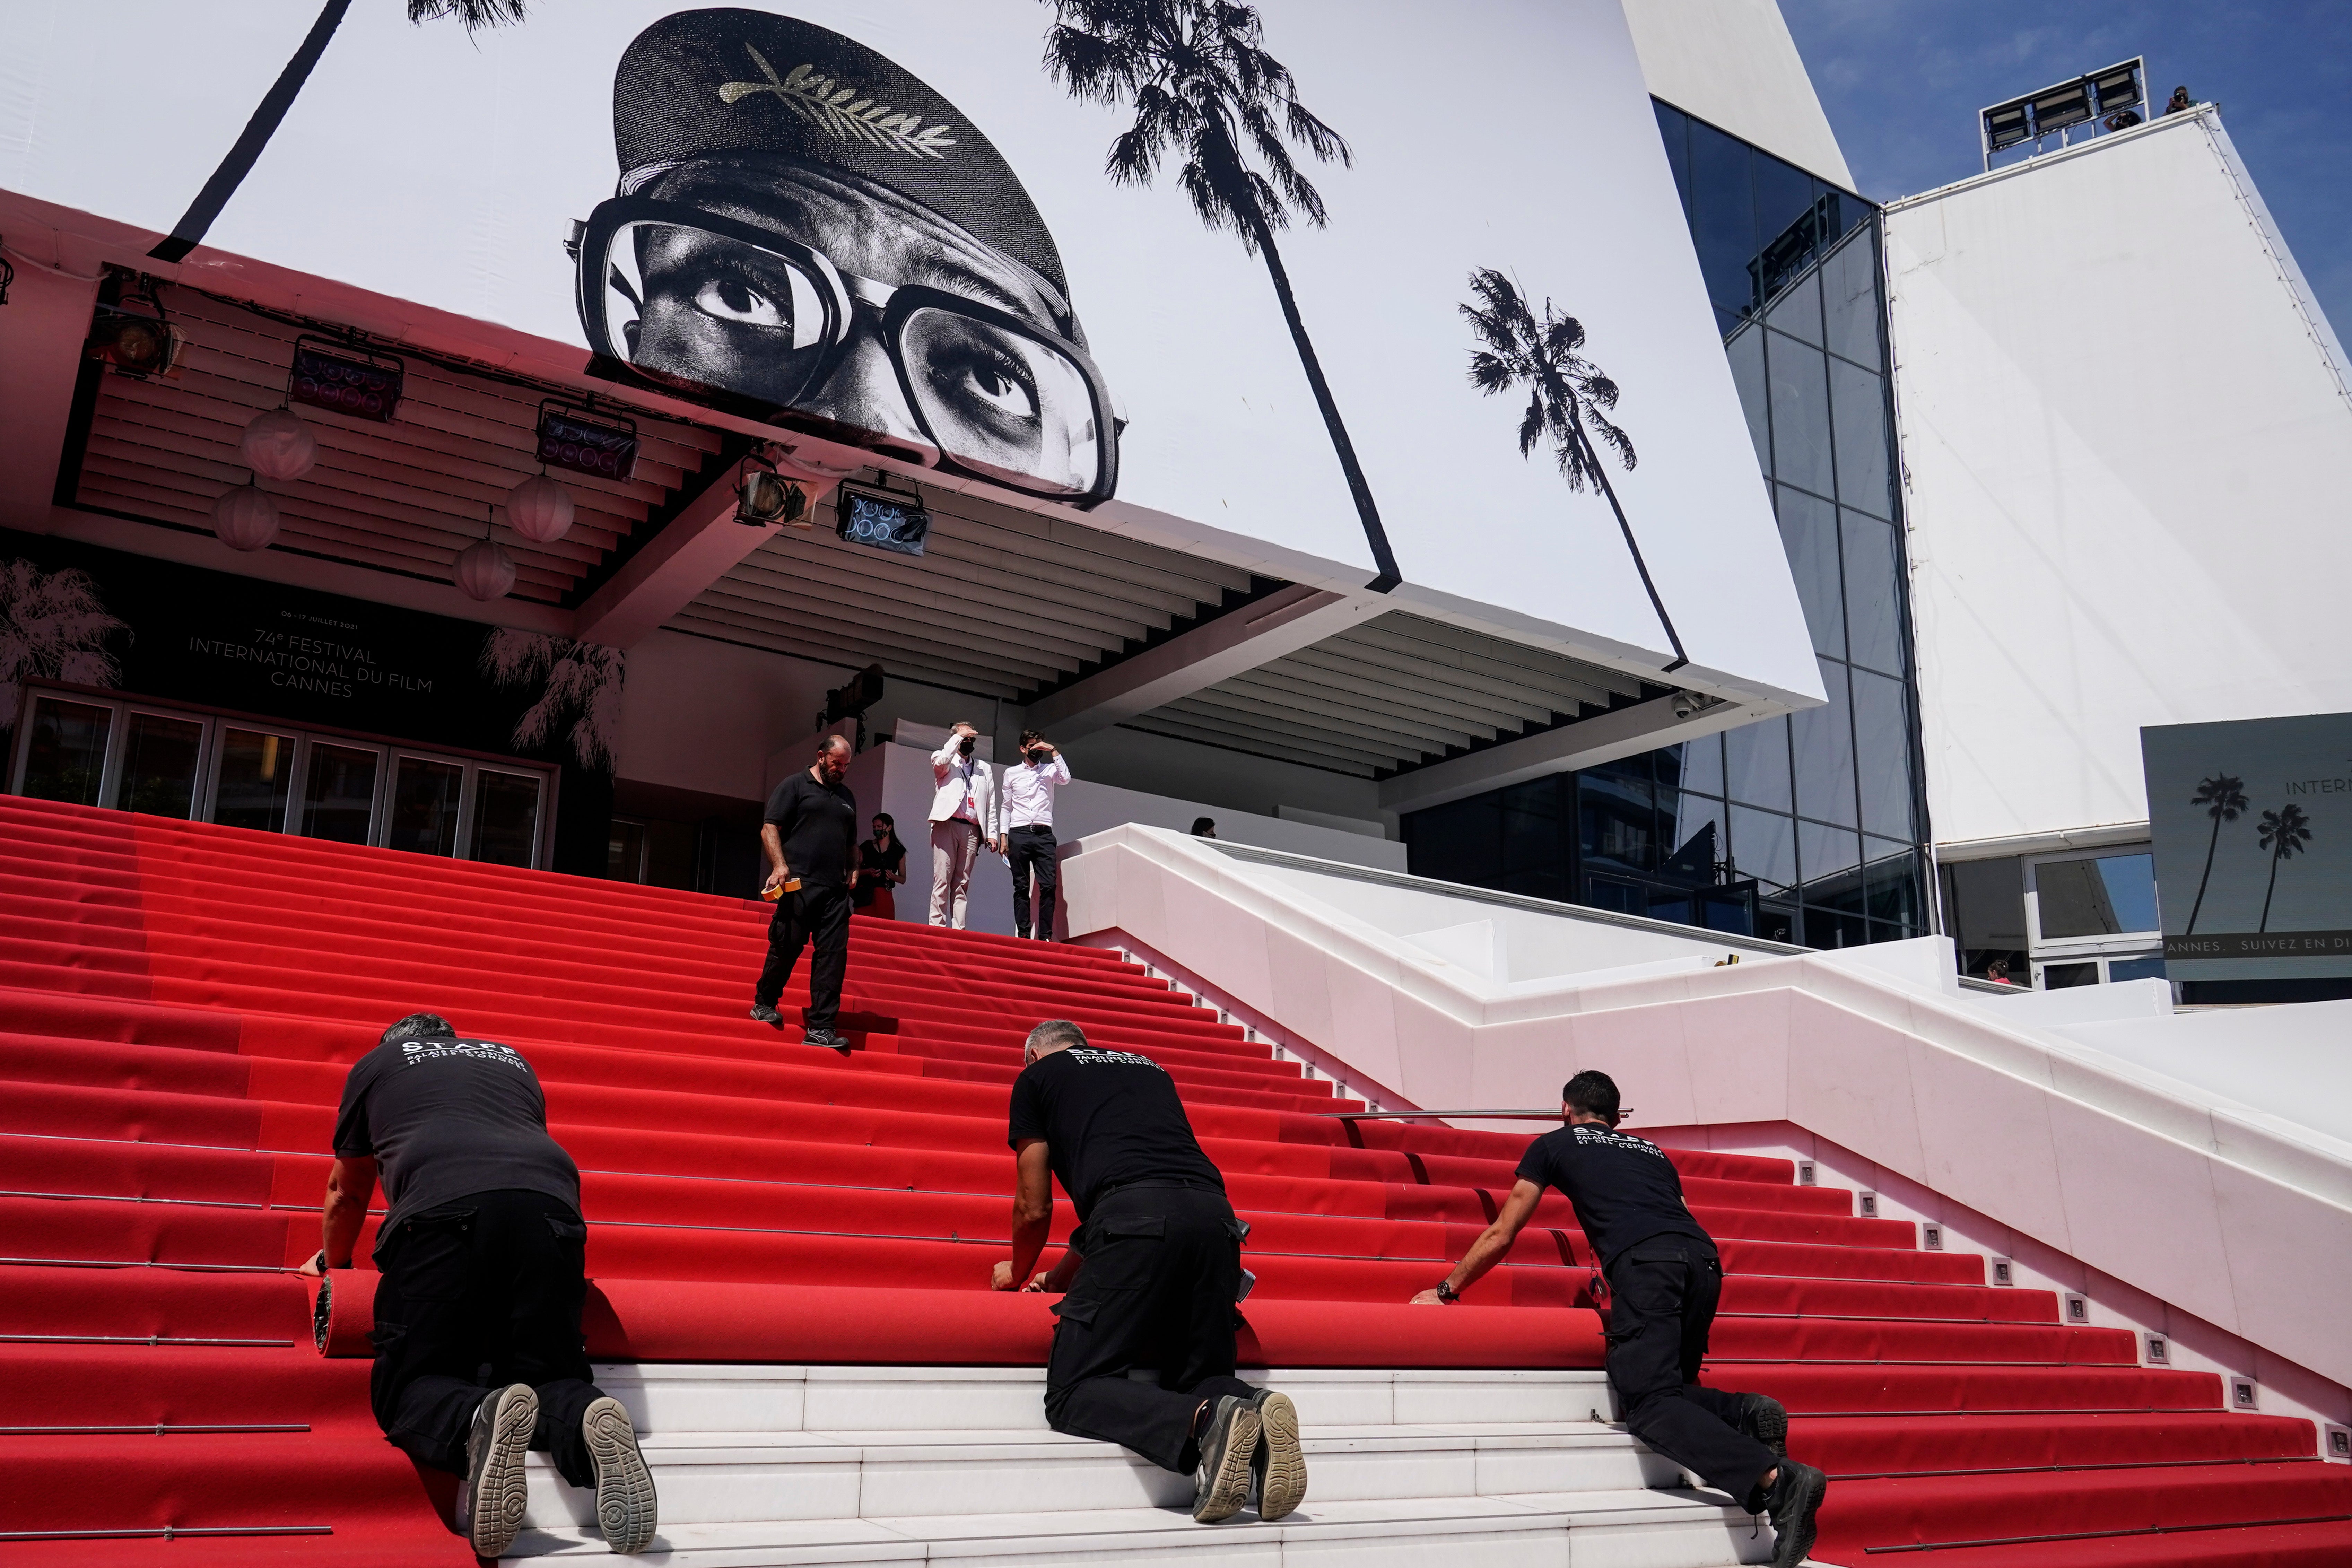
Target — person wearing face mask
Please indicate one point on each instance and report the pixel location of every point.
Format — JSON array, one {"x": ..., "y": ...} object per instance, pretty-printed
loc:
[
  {"x": 963, "y": 821},
  {"x": 810, "y": 835},
  {"x": 1029, "y": 845},
  {"x": 878, "y": 278},
  {"x": 881, "y": 866}
]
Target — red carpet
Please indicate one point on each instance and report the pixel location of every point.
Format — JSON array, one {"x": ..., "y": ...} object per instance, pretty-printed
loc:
[{"x": 178, "y": 1003}]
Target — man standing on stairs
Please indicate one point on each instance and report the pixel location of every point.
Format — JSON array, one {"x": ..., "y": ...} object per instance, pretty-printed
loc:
[
  {"x": 1158, "y": 1260},
  {"x": 963, "y": 821},
  {"x": 810, "y": 835},
  {"x": 1029, "y": 847},
  {"x": 481, "y": 1275},
  {"x": 1665, "y": 1279}
]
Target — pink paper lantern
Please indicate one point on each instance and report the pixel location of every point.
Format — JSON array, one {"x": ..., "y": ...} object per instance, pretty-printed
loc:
[
  {"x": 278, "y": 445},
  {"x": 540, "y": 509},
  {"x": 245, "y": 517},
  {"x": 485, "y": 571}
]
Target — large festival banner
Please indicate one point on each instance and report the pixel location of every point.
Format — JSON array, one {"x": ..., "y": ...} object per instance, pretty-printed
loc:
[{"x": 1394, "y": 295}]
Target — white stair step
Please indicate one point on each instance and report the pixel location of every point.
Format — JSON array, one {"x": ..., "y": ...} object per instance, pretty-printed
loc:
[{"x": 1618, "y": 1529}]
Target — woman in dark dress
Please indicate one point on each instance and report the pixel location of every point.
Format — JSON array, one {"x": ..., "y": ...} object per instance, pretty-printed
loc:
[{"x": 881, "y": 866}]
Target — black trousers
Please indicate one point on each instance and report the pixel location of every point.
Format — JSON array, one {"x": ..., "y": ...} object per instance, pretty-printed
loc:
[
  {"x": 1032, "y": 848},
  {"x": 476, "y": 1295},
  {"x": 814, "y": 914},
  {"x": 1662, "y": 1300},
  {"x": 1156, "y": 1292}
]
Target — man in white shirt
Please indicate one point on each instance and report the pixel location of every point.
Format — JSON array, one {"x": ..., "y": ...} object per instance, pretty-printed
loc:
[
  {"x": 1029, "y": 786},
  {"x": 963, "y": 821}
]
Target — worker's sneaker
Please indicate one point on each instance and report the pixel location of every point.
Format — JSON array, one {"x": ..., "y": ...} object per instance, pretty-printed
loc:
[
  {"x": 625, "y": 1504},
  {"x": 1766, "y": 1419},
  {"x": 1222, "y": 1481},
  {"x": 1796, "y": 1496},
  {"x": 763, "y": 1014},
  {"x": 1279, "y": 1466},
  {"x": 827, "y": 1039},
  {"x": 490, "y": 1503}
]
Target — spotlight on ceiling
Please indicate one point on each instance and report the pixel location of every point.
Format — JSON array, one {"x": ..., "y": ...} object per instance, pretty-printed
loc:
[
  {"x": 2110, "y": 95},
  {"x": 141, "y": 343},
  {"x": 569, "y": 437},
  {"x": 349, "y": 379},
  {"x": 764, "y": 496}
]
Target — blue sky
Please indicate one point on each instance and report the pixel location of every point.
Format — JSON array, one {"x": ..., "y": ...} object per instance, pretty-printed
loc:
[{"x": 1903, "y": 79}]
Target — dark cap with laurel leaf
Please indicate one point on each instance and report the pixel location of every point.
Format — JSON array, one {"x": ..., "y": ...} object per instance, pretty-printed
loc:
[{"x": 750, "y": 84}]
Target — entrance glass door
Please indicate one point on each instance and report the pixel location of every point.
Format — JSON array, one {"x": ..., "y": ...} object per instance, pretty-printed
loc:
[
  {"x": 424, "y": 814},
  {"x": 160, "y": 753},
  {"x": 66, "y": 755},
  {"x": 338, "y": 794},
  {"x": 253, "y": 778}
]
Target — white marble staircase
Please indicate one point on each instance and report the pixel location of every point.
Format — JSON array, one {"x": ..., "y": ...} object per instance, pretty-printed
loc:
[{"x": 761, "y": 1465}]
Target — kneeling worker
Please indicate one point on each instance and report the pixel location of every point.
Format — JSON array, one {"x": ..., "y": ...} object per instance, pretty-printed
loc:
[
  {"x": 478, "y": 1356},
  {"x": 1159, "y": 1263},
  {"x": 1665, "y": 1279}
]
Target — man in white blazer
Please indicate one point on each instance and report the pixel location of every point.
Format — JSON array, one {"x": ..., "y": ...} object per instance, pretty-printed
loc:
[{"x": 963, "y": 821}]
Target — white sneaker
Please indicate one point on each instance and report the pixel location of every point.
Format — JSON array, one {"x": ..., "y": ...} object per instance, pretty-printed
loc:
[{"x": 626, "y": 1507}]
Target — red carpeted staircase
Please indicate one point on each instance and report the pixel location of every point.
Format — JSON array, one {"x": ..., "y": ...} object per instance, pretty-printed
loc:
[{"x": 178, "y": 1003}]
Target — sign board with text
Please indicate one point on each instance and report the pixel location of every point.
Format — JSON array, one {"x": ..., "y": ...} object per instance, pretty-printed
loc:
[{"x": 2253, "y": 823}]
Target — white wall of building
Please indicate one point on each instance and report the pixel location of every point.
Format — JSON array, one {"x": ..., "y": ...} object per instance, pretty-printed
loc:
[
  {"x": 2127, "y": 443},
  {"x": 1733, "y": 64}
]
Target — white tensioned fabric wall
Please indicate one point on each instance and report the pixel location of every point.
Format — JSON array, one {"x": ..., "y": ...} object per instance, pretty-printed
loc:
[{"x": 2127, "y": 439}]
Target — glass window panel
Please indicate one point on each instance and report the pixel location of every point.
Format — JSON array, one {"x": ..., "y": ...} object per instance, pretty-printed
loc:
[
  {"x": 1859, "y": 398},
  {"x": 1534, "y": 854},
  {"x": 506, "y": 818},
  {"x": 1850, "y": 302},
  {"x": 625, "y": 861},
  {"x": 1673, "y": 130},
  {"x": 1873, "y": 601},
  {"x": 1883, "y": 747},
  {"x": 65, "y": 756},
  {"x": 1798, "y": 311},
  {"x": 1800, "y": 414},
  {"x": 1695, "y": 765},
  {"x": 1832, "y": 929},
  {"x": 253, "y": 780},
  {"x": 1696, "y": 837},
  {"x": 1891, "y": 884},
  {"x": 1745, "y": 351},
  {"x": 159, "y": 764},
  {"x": 1808, "y": 534},
  {"x": 1776, "y": 923},
  {"x": 1615, "y": 820},
  {"x": 1764, "y": 846},
  {"x": 338, "y": 794},
  {"x": 2098, "y": 895},
  {"x": 1756, "y": 763},
  {"x": 2065, "y": 976},
  {"x": 1830, "y": 860},
  {"x": 1459, "y": 842},
  {"x": 1823, "y": 741},
  {"x": 1787, "y": 225},
  {"x": 1840, "y": 212},
  {"x": 1723, "y": 216},
  {"x": 424, "y": 815},
  {"x": 1734, "y": 912},
  {"x": 2121, "y": 969},
  {"x": 1726, "y": 321}
]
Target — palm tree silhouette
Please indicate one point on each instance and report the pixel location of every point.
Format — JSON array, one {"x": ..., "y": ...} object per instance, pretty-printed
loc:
[
  {"x": 2283, "y": 832},
  {"x": 2223, "y": 798},
  {"x": 1204, "y": 89},
  {"x": 579, "y": 691},
  {"x": 189, "y": 232},
  {"x": 54, "y": 626},
  {"x": 1566, "y": 394}
]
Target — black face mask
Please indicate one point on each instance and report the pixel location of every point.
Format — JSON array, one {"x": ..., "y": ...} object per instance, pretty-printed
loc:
[
  {"x": 966, "y": 745},
  {"x": 1038, "y": 756}
]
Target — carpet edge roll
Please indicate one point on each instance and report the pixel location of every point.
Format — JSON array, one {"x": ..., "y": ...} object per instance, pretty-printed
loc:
[{"x": 689, "y": 1320}]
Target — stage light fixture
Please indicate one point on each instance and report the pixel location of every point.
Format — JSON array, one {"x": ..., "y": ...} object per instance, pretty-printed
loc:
[
  {"x": 854, "y": 696},
  {"x": 2117, "y": 87},
  {"x": 136, "y": 344},
  {"x": 2006, "y": 126},
  {"x": 2062, "y": 107},
  {"x": 764, "y": 496},
  {"x": 353, "y": 380},
  {"x": 278, "y": 445},
  {"x": 569, "y": 437},
  {"x": 881, "y": 520}
]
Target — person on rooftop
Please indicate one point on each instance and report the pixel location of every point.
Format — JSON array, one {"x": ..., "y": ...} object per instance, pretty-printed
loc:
[
  {"x": 481, "y": 1267},
  {"x": 1665, "y": 1279},
  {"x": 1157, "y": 1263}
]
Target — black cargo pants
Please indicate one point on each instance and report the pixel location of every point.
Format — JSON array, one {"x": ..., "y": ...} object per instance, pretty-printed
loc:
[
  {"x": 475, "y": 1295},
  {"x": 818, "y": 915},
  {"x": 1662, "y": 1300},
  {"x": 1162, "y": 1264}
]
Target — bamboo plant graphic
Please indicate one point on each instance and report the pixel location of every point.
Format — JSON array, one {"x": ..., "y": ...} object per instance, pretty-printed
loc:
[
  {"x": 2282, "y": 833},
  {"x": 1568, "y": 400},
  {"x": 1204, "y": 88},
  {"x": 2223, "y": 798}
]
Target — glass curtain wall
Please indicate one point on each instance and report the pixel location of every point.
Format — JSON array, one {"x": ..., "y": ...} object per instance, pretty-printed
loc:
[{"x": 1808, "y": 828}]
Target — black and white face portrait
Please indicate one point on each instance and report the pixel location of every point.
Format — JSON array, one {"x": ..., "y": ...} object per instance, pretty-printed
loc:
[{"x": 806, "y": 226}]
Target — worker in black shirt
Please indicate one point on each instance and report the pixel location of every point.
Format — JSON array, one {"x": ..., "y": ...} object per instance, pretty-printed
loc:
[
  {"x": 1158, "y": 1261},
  {"x": 1665, "y": 1279},
  {"x": 480, "y": 1280},
  {"x": 811, "y": 837}
]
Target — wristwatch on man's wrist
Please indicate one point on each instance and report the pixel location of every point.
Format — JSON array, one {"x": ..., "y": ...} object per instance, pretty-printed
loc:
[{"x": 1447, "y": 1293}]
